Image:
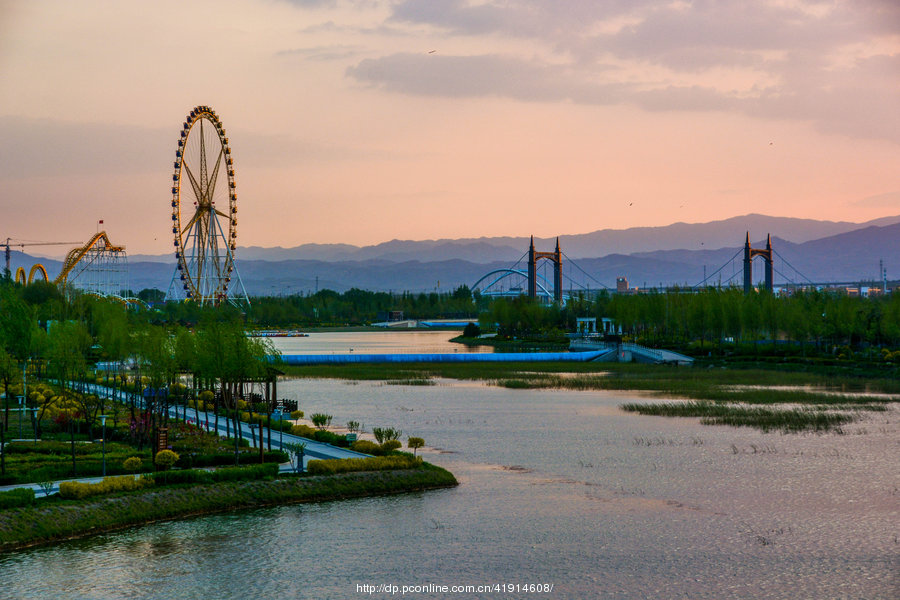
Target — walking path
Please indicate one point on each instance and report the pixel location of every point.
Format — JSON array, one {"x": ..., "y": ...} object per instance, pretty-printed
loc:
[{"x": 313, "y": 450}]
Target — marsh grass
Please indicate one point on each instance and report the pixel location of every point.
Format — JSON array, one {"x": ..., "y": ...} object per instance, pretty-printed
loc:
[
  {"x": 744, "y": 397},
  {"x": 409, "y": 381},
  {"x": 765, "y": 419}
]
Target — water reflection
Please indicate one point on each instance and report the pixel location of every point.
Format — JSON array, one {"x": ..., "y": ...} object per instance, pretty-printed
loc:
[{"x": 556, "y": 487}]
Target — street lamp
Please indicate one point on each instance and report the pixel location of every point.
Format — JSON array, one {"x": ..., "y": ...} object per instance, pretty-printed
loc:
[
  {"x": 34, "y": 412},
  {"x": 21, "y": 399},
  {"x": 103, "y": 423}
]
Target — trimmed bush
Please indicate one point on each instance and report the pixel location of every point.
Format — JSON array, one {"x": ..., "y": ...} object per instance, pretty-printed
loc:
[
  {"x": 16, "y": 498},
  {"x": 132, "y": 464},
  {"x": 377, "y": 463},
  {"x": 78, "y": 490},
  {"x": 304, "y": 431},
  {"x": 297, "y": 414},
  {"x": 334, "y": 439},
  {"x": 166, "y": 458},
  {"x": 390, "y": 446},
  {"x": 366, "y": 447}
]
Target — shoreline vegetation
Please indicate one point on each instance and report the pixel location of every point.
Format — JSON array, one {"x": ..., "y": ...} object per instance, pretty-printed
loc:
[
  {"x": 50, "y": 520},
  {"x": 768, "y": 399}
]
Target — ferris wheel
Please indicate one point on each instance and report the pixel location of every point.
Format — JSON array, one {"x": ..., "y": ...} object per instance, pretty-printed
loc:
[{"x": 204, "y": 212}]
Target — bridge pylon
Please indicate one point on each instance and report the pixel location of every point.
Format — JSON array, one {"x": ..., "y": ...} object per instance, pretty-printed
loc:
[
  {"x": 749, "y": 255},
  {"x": 556, "y": 258}
]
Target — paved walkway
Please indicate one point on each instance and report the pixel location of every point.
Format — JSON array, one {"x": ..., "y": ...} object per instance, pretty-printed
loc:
[{"x": 314, "y": 449}]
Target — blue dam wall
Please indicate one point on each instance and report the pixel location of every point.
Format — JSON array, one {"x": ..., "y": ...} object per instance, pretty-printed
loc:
[{"x": 340, "y": 359}]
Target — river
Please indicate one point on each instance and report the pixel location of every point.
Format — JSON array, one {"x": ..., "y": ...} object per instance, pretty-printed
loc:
[{"x": 556, "y": 487}]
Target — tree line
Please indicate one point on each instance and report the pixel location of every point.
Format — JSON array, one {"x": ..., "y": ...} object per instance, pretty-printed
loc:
[{"x": 713, "y": 317}]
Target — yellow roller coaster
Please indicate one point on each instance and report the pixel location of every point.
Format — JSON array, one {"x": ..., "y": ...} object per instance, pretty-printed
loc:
[
  {"x": 38, "y": 268},
  {"x": 98, "y": 250}
]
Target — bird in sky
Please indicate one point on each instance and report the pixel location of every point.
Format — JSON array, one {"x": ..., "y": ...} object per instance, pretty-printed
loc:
[{"x": 432, "y": 51}]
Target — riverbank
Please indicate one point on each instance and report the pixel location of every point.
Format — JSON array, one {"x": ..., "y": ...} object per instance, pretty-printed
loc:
[{"x": 54, "y": 520}]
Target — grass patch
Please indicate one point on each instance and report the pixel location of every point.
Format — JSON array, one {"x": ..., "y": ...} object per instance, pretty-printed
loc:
[{"x": 56, "y": 519}]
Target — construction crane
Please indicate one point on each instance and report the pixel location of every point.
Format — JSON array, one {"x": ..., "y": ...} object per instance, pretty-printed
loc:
[{"x": 10, "y": 242}]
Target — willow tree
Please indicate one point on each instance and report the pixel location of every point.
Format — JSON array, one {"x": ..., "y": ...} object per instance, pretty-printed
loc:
[
  {"x": 68, "y": 346},
  {"x": 229, "y": 359}
]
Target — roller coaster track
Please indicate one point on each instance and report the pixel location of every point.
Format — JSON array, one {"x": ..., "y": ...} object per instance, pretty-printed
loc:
[
  {"x": 76, "y": 254},
  {"x": 100, "y": 243},
  {"x": 38, "y": 268}
]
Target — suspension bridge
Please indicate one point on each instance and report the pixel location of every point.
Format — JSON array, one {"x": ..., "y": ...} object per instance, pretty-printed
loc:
[{"x": 552, "y": 276}]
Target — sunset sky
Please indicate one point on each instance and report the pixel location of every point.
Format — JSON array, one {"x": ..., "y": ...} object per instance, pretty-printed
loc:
[{"x": 361, "y": 122}]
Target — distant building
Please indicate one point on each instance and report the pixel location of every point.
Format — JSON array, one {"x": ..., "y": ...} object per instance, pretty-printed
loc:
[
  {"x": 622, "y": 286},
  {"x": 587, "y": 327},
  {"x": 389, "y": 316}
]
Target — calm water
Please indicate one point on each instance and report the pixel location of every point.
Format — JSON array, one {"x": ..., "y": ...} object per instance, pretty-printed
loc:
[{"x": 556, "y": 487}]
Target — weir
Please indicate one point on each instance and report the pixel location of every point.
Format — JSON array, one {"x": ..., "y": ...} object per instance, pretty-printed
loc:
[{"x": 340, "y": 359}]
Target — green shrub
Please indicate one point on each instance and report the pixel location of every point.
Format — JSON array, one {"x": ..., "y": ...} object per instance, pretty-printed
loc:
[
  {"x": 377, "y": 463},
  {"x": 304, "y": 431},
  {"x": 390, "y": 446},
  {"x": 320, "y": 420},
  {"x": 132, "y": 464},
  {"x": 77, "y": 490},
  {"x": 328, "y": 437},
  {"x": 297, "y": 414},
  {"x": 16, "y": 498},
  {"x": 384, "y": 434},
  {"x": 166, "y": 459},
  {"x": 366, "y": 447}
]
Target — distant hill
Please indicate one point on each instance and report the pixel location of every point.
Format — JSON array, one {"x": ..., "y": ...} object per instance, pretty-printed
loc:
[
  {"x": 676, "y": 254},
  {"x": 688, "y": 236}
]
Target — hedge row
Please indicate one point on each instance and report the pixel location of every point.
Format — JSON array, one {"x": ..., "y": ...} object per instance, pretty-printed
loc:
[
  {"x": 16, "y": 498},
  {"x": 375, "y": 463},
  {"x": 187, "y": 460},
  {"x": 227, "y": 474},
  {"x": 320, "y": 435},
  {"x": 375, "y": 449},
  {"x": 78, "y": 490}
]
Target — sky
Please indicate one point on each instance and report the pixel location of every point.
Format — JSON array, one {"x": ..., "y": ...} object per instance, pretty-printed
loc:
[{"x": 363, "y": 121}]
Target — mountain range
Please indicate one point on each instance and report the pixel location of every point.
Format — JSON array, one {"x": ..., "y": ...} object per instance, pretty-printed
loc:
[{"x": 805, "y": 249}]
